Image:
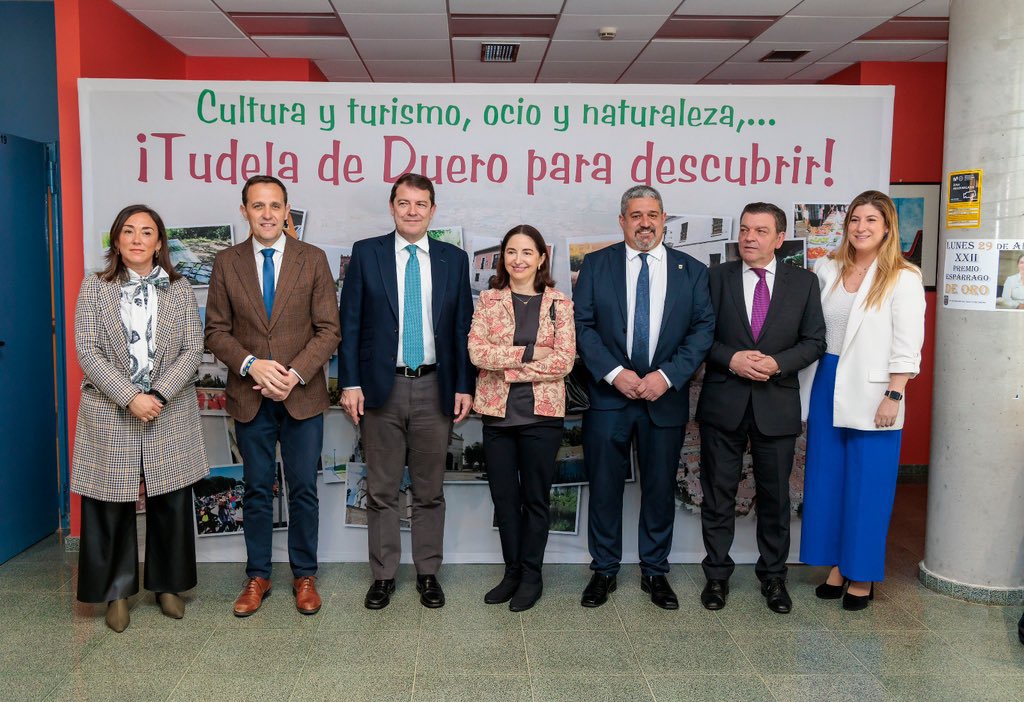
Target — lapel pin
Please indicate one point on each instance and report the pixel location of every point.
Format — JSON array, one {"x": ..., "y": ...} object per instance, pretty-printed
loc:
[{"x": 680, "y": 266}]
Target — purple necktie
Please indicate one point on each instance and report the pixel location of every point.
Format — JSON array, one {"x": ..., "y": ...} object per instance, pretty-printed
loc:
[{"x": 759, "y": 310}]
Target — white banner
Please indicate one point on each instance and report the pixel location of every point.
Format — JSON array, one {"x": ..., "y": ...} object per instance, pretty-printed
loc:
[{"x": 554, "y": 156}]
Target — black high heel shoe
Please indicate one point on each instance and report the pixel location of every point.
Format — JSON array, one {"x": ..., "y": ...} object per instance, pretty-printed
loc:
[
  {"x": 830, "y": 592},
  {"x": 855, "y": 603}
]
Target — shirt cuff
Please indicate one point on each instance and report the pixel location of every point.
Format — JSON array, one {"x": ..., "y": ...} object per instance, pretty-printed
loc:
[
  {"x": 241, "y": 370},
  {"x": 610, "y": 378},
  {"x": 301, "y": 381},
  {"x": 665, "y": 377},
  {"x": 353, "y": 387}
]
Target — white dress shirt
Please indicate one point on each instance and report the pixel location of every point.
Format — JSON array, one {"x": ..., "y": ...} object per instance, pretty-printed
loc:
[
  {"x": 657, "y": 278},
  {"x": 277, "y": 258},
  {"x": 426, "y": 289},
  {"x": 750, "y": 282}
]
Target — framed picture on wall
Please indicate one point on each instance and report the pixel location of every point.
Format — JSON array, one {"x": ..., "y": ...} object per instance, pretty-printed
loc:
[{"x": 917, "y": 206}]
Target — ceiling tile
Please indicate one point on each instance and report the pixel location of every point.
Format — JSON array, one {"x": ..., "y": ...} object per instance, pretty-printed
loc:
[
  {"x": 411, "y": 71},
  {"x": 692, "y": 50},
  {"x": 630, "y": 27},
  {"x": 503, "y": 25},
  {"x": 703, "y": 27},
  {"x": 661, "y": 8},
  {"x": 666, "y": 72},
  {"x": 581, "y": 71},
  {"x": 519, "y": 72},
  {"x": 755, "y": 71},
  {"x": 929, "y": 8},
  {"x": 819, "y": 71},
  {"x": 271, "y": 24},
  {"x": 308, "y": 47},
  {"x": 343, "y": 70},
  {"x": 389, "y": 7},
  {"x": 197, "y": 5},
  {"x": 750, "y": 8},
  {"x": 820, "y": 29},
  {"x": 594, "y": 50},
  {"x": 468, "y": 48},
  {"x": 406, "y": 50},
  {"x": 396, "y": 27},
  {"x": 860, "y": 8},
  {"x": 884, "y": 50},
  {"x": 198, "y": 46},
  {"x": 519, "y": 7},
  {"x": 920, "y": 28},
  {"x": 935, "y": 55},
  {"x": 273, "y": 6},
  {"x": 188, "y": 24},
  {"x": 756, "y": 50}
]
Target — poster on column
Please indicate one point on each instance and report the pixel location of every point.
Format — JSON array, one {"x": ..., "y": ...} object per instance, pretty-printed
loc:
[
  {"x": 984, "y": 274},
  {"x": 557, "y": 157}
]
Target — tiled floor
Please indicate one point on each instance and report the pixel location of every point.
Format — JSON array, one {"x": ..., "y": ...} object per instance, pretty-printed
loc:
[{"x": 909, "y": 645}]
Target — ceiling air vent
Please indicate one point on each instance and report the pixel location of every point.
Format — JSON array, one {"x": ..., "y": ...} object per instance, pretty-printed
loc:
[
  {"x": 783, "y": 56},
  {"x": 499, "y": 53}
]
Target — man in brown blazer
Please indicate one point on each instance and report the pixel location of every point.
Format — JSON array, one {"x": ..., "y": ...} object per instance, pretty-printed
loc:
[{"x": 271, "y": 317}]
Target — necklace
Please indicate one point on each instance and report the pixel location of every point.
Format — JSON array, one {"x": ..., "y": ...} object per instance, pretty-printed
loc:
[{"x": 518, "y": 298}]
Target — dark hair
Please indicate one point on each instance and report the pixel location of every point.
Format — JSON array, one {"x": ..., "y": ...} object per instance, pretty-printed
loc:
[
  {"x": 637, "y": 192},
  {"x": 543, "y": 280},
  {"x": 116, "y": 270},
  {"x": 413, "y": 180},
  {"x": 767, "y": 208},
  {"x": 262, "y": 179}
]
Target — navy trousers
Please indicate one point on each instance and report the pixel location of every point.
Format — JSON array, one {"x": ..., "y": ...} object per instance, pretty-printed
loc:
[
  {"x": 300, "y": 440},
  {"x": 608, "y": 436}
]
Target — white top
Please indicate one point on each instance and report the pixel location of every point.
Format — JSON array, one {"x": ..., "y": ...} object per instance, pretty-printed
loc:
[
  {"x": 1013, "y": 292},
  {"x": 750, "y": 282},
  {"x": 401, "y": 261},
  {"x": 657, "y": 279},
  {"x": 836, "y": 308}
]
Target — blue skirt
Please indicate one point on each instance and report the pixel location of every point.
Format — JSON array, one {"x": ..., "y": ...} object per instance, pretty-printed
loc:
[{"x": 849, "y": 487}]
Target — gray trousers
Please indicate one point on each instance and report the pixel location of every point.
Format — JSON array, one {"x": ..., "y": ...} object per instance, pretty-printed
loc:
[{"x": 408, "y": 430}]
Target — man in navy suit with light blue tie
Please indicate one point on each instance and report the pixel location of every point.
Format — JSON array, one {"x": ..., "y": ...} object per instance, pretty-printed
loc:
[
  {"x": 644, "y": 323},
  {"x": 404, "y": 368}
]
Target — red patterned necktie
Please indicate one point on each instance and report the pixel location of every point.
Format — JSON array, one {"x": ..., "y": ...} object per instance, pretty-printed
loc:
[{"x": 759, "y": 310}]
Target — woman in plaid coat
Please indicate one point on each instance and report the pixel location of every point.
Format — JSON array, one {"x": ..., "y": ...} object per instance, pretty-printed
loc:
[{"x": 139, "y": 341}]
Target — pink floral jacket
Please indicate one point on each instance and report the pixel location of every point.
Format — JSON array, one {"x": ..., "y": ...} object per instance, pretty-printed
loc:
[{"x": 501, "y": 363}]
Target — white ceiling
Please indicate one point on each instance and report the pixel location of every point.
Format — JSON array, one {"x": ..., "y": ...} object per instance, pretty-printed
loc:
[{"x": 411, "y": 40}]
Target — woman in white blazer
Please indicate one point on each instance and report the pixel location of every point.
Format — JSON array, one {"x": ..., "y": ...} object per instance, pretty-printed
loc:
[{"x": 873, "y": 300}]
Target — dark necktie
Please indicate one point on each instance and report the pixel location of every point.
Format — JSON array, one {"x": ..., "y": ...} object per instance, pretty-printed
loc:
[
  {"x": 641, "y": 353},
  {"x": 759, "y": 310},
  {"x": 268, "y": 281}
]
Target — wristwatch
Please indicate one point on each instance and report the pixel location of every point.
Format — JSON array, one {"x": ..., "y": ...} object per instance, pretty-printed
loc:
[{"x": 894, "y": 395}]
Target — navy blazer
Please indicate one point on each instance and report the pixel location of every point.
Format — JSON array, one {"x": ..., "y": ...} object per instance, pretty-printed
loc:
[
  {"x": 687, "y": 329},
  {"x": 793, "y": 334},
  {"x": 367, "y": 355}
]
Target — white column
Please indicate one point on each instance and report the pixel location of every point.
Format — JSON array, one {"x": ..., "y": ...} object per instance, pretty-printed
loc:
[{"x": 975, "y": 538}]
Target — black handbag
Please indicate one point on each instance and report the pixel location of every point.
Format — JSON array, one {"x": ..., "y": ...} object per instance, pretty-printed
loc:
[{"x": 577, "y": 400}]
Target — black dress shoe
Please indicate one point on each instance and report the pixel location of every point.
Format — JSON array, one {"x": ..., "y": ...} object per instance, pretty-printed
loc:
[
  {"x": 830, "y": 592},
  {"x": 774, "y": 591},
  {"x": 596, "y": 592},
  {"x": 714, "y": 593},
  {"x": 379, "y": 594},
  {"x": 503, "y": 591},
  {"x": 431, "y": 594},
  {"x": 855, "y": 603},
  {"x": 526, "y": 596},
  {"x": 660, "y": 591}
]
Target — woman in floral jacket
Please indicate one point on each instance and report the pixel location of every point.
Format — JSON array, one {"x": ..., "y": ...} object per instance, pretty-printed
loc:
[{"x": 523, "y": 340}]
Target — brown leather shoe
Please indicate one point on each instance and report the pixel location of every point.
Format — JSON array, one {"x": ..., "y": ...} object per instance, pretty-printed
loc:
[
  {"x": 307, "y": 600},
  {"x": 255, "y": 591}
]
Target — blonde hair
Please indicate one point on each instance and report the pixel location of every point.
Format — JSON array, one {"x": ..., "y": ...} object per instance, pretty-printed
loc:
[{"x": 890, "y": 259}]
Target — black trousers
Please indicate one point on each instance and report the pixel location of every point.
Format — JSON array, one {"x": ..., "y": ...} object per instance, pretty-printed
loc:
[
  {"x": 721, "y": 465},
  {"x": 520, "y": 469},
  {"x": 108, "y": 562}
]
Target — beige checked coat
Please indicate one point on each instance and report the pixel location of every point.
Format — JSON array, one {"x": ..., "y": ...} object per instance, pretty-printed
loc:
[{"x": 111, "y": 444}]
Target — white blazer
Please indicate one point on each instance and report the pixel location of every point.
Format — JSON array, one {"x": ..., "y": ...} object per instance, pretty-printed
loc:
[{"x": 878, "y": 341}]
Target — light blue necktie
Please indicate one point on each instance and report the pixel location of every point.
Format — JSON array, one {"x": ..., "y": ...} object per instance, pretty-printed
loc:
[
  {"x": 268, "y": 280},
  {"x": 642, "y": 320},
  {"x": 412, "y": 324}
]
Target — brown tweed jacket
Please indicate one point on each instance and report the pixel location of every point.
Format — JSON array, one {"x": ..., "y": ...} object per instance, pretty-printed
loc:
[
  {"x": 302, "y": 333},
  {"x": 111, "y": 445}
]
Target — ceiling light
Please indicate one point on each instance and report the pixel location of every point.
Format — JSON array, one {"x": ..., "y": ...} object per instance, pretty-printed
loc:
[{"x": 492, "y": 52}]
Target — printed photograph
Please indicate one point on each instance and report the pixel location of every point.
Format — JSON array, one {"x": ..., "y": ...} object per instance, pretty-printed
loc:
[
  {"x": 338, "y": 258},
  {"x": 710, "y": 253},
  {"x": 294, "y": 226},
  {"x": 792, "y": 251},
  {"x": 483, "y": 262},
  {"x": 810, "y": 219},
  {"x": 580, "y": 247},
  {"x": 342, "y": 445},
  {"x": 193, "y": 249},
  {"x": 212, "y": 401},
  {"x": 449, "y": 235},
  {"x": 569, "y": 468},
  {"x": 218, "y": 501},
  {"x": 820, "y": 246},
  {"x": 217, "y": 440},
  {"x": 684, "y": 229},
  {"x": 465, "y": 461},
  {"x": 355, "y": 497},
  {"x": 1010, "y": 292},
  {"x": 565, "y": 510}
]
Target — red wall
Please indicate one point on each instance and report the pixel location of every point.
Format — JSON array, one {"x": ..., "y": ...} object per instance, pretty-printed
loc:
[
  {"x": 917, "y": 133},
  {"x": 97, "y": 39}
]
